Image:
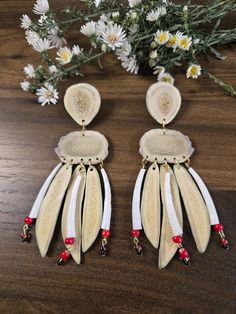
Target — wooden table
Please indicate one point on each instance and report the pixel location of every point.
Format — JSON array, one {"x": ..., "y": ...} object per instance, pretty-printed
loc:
[{"x": 122, "y": 282}]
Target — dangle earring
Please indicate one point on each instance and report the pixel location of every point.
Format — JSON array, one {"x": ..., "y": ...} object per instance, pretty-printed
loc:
[
  {"x": 77, "y": 180},
  {"x": 168, "y": 177}
]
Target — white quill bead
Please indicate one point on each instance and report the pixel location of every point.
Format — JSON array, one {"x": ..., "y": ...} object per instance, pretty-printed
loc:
[
  {"x": 136, "y": 216},
  {"x": 106, "y": 218},
  {"x": 72, "y": 209},
  {"x": 38, "y": 202},
  {"x": 206, "y": 196},
  {"x": 175, "y": 226}
]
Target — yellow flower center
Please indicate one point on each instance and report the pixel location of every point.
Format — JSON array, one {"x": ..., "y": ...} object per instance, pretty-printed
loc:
[
  {"x": 112, "y": 38},
  {"x": 184, "y": 42},
  {"x": 165, "y": 79},
  {"x": 193, "y": 71},
  {"x": 65, "y": 56},
  {"x": 162, "y": 37},
  {"x": 172, "y": 41},
  {"x": 49, "y": 94}
]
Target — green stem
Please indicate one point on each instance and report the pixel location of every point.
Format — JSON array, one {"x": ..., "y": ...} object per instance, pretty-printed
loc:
[
  {"x": 229, "y": 89},
  {"x": 68, "y": 70},
  {"x": 88, "y": 16}
]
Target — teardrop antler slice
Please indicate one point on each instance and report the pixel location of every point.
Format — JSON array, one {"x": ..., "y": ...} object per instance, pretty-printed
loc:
[
  {"x": 75, "y": 250},
  {"x": 167, "y": 247},
  {"x": 50, "y": 208},
  {"x": 92, "y": 211},
  {"x": 163, "y": 102},
  {"x": 82, "y": 101},
  {"x": 150, "y": 205},
  {"x": 195, "y": 208}
]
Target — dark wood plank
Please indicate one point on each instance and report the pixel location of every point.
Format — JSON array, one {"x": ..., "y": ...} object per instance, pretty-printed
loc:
[{"x": 122, "y": 282}]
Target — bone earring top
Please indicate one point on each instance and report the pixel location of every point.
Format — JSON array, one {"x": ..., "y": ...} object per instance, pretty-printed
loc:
[
  {"x": 163, "y": 102},
  {"x": 82, "y": 102}
]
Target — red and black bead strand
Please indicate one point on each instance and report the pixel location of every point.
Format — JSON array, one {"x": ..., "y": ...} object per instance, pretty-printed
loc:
[
  {"x": 25, "y": 235},
  {"x": 219, "y": 229},
  {"x": 183, "y": 253},
  {"x": 105, "y": 235},
  {"x": 65, "y": 255},
  {"x": 137, "y": 246}
]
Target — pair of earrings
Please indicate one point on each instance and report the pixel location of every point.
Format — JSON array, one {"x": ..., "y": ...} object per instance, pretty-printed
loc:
[{"x": 156, "y": 204}]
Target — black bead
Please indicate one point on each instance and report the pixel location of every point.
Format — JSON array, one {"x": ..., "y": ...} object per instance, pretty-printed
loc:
[
  {"x": 226, "y": 246},
  {"x": 186, "y": 262},
  {"x": 104, "y": 250},
  {"x": 60, "y": 262},
  {"x": 139, "y": 249}
]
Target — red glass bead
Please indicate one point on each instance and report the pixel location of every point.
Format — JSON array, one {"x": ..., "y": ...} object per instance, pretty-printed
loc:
[
  {"x": 135, "y": 233},
  {"x": 218, "y": 227},
  {"x": 177, "y": 239},
  {"x": 106, "y": 233},
  {"x": 69, "y": 241},
  {"x": 28, "y": 220},
  {"x": 183, "y": 253},
  {"x": 64, "y": 255}
]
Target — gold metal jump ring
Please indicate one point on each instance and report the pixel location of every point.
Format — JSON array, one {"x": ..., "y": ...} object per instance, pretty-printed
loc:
[
  {"x": 177, "y": 162},
  {"x": 166, "y": 166},
  {"x": 83, "y": 130},
  {"x": 144, "y": 162},
  {"x": 187, "y": 162},
  {"x": 163, "y": 126}
]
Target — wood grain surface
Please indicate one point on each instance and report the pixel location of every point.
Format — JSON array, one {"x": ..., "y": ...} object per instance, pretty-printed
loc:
[{"x": 122, "y": 282}]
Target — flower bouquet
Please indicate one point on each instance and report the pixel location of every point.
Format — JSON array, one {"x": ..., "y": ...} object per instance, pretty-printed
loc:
[{"x": 157, "y": 34}]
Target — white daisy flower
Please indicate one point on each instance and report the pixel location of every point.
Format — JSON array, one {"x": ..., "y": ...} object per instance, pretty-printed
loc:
[
  {"x": 196, "y": 41},
  {"x": 153, "y": 54},
  {"x": 162, "y": 10},
  {"x": 128, "y": 61},
  {"x": 76, "y": 51},
  {"x": 153, "y": 15},
  {"x": 158, "y": 70},
  {"x": 47, "y": 95},
  {"x": 42, "y": 20},
  {"x": 124, "y": 51},
  {"x": 131, "y": 65},
  {"x": 174, "y": 40},
  {"x": 31, "y": 37},
  {"x": 114, "y": 36},
  {"x": 52, "y": 69},
  {"x": 25, "y": 21},
  {"x": 115, "y": 14},
  {"x": 25, "y": 85},
  {"x": 193, "y": 71},
  {"x": 29, "y": 71},
  {"x": 88, "y": 29},
  {"x": 185, "y": 42},
  {"x": 132, "y": 14},
  {"x": 166, "y": 77},
  {"x": 64, "y": 55},
  {"x": 41, "y": 7},
  {"x": 57, "y": 40},
  {"x": 42, "y": 45},
  {"x": 97, "y": 3},
  {"x": 161, "y": 37},
  {"x": 133, "y": 3}
]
